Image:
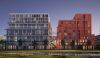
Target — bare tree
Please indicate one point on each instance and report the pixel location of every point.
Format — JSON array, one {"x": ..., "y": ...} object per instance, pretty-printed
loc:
[
  {"x": 34, "y": 44},
  {"x": 45, "y": 44},
  {"x": 63, "y": 43}
]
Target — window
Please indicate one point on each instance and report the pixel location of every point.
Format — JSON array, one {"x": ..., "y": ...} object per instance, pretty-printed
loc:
[
  {"x": 21, "y": 15},
  {"x": 65, "y": 35},
  {"x": 33, "y": 24},
  {"x": 17, "y": 15},
  {"x": 84, "y": 17},
  {"x": 78, "y": 22},
  {"x": 88, "y": 31},
  {"x": 33, "y": 32},
  {"x": 20, "y": 32},
  {"x": 74, "y": 22},
  {"x": 74, "y": 30},
  {"x": 66, "y": 22},
  {"x": 65, "y": 30},
  {"x": 25, "y": 25},
  {"x": 29, "y": 24},
  {"x": 32, "y": 15},
  {"x": 70, "y": 22},
  {"x": 74, "y": 35},
  {"x": 61, "y": 22},
  {"x": 46, "y": 15},
  {"x": 13, "y": 24}
]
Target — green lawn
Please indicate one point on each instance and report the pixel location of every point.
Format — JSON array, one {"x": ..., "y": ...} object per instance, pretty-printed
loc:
[
  {"x": 40, "y": 56},
  {"x": 52, "y": 50},
  {"x": 4, "y": 55}
]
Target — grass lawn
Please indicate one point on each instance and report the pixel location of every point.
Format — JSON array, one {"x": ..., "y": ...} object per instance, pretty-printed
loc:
[
  {"x": 50, "y": 50},
  {"x": 40, "y": 56},
  {"x": 3, "y": 55}
]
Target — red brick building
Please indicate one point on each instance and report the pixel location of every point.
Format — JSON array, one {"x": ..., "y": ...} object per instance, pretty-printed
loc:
[{"x": 75, "y": 33}]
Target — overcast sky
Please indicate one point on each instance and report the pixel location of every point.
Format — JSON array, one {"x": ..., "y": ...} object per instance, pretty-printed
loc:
[{"x": 57, "y": 9}]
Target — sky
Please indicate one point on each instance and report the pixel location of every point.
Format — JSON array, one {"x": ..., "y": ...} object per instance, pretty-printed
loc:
[{"x": 57, "y": 9}]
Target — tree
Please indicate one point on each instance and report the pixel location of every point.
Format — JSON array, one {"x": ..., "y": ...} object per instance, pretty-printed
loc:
[
  {"x": 73, "y": 44},
  {"x": 1, "y": 43},
  {"x": 89, "y": 43},
  {"x": 63, "y": 43},
  {"x": 45, "y": 44},
  {"x": 34, "y": 44},
  {"x": 20, "y": 42},
  {"x": 80, "y": 47}
]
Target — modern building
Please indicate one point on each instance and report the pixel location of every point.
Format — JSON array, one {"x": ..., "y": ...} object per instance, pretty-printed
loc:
[
  {"x": 26, "y": 30},
  {"x": 75, "y": 33}
]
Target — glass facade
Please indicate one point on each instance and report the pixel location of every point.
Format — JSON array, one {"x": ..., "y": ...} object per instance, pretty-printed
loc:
[{"x": 28, "y": 27}]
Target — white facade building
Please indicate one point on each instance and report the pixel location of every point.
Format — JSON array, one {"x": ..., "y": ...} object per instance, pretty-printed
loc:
[{"x": 28, "y": 27}]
